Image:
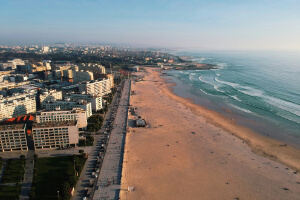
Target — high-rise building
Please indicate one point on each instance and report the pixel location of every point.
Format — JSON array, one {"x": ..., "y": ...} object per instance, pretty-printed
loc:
[
  {"x": 55, "y": 134},
  {"x": 13, "y": 137},
  {"x": 68, "y": 105},
  {"x": 98, "y": 87},
  {"x": 96, "y": 68},
  {"x": 49, "y": 96},
  {"x": 18, "y": 104},
  {"x": 95, "y": 100},
  {"x": 76, "y": 114},
  {"x": 79, "y": 76},
  {"x": 45, "y": 49}
]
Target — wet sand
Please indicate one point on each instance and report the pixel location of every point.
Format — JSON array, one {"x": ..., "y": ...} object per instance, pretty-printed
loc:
[{"x": 190, "y": 152}]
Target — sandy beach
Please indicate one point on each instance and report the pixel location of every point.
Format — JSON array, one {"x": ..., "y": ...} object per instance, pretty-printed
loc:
[{"x": 189, "y": 152}]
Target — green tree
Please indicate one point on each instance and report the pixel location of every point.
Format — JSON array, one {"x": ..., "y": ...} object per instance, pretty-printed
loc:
[
  {"x": 22, "y": 157},
  {"x": 64, "y": 190}
]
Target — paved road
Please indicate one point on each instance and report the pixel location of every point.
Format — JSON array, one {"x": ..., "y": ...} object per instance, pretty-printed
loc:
[
  {"x": 28, "y": 175},
  {"x": 87, "y": 181},
  {"x": 109, "y": 182}
]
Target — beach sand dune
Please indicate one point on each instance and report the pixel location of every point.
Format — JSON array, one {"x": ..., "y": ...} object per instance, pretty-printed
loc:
[{"x": 182, "y": 155}]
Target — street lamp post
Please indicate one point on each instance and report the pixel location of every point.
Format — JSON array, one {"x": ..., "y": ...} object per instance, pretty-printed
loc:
[
  {"x": 74, "y": 167},
  {"x": 57, "y": 194}
]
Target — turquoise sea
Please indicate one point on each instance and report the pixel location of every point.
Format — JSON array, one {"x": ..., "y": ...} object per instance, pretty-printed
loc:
[{"x": 261, "y": 90}]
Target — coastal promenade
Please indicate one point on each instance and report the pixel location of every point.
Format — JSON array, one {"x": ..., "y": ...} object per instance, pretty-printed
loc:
[{"x": 109, "y": 184}]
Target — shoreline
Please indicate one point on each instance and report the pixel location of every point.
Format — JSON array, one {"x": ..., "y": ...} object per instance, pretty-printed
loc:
[
  {"x": 259, "y": 124},
  {"x": 182, "y": 155},
  {"x": 260, "y": 144}
]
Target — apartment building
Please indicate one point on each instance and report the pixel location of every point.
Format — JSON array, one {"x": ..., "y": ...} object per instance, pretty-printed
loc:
[
  {"x": 18, "y": 104},
  {"x": 49, "y": 96},
  {"x": 13, "y": 137},
  {"x": 95, "y": 100},
  {"x": 76, "y": 114},
  {"x": 98, "y": 87},
  {"x": 79, "y": 76},
  {"x": 96, "y": 68},
  {"x": 111, "y": 79},
  {"x": 68, "y": 105},
  {"x": 55, "y": 134}
]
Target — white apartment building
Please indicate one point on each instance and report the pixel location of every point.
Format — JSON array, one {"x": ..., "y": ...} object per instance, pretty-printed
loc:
[
  {"x": 16, "y": 62},
  {"x": 49, "y": 96},
  {"x": 79, "y": 76},
  {"x": 98, "y": 87},
  {"x": 55, "y": 134},
  {"x": 76, "y": 114},
  {"x": 68, "y": 105},
  {"x": 45, "y": 49},
  {"x": 13, "y": 137},
  {"x": 93, "y": 67},
  {"x": 18, "y": 104},
  {"x": 94, "y": 99}
]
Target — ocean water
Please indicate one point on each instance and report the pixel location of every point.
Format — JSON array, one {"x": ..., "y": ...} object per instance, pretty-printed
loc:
[{"x": 260, "y": 90}]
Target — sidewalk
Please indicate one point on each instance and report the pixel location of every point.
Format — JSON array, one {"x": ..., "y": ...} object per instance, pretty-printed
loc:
[{"x": 28, "y": 176}]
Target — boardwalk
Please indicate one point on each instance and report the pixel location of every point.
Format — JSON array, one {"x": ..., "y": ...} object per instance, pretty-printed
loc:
[{"x": 108, "y": 185}]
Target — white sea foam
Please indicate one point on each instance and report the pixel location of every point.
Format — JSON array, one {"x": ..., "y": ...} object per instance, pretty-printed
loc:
[
  {"x": 191, "y": 76},
  {"x": 276, "y": 102},
  {"x": 284, "y": 105},
  {"x": 218, "y": 89},
  {"x": 242, "y": 109},
  {"x": 203, "y": 91},
  {"x": 220, "y": 66},
  {"x": 250, "y": 91},
  {"x": 234, "y": 85},
  {"x": 204, "y": 81},
  {"x": 289, "y": 117},
  {"x": 244, "y": 89},
  {"x": 236, "y": 98},
  {"x": 286, "y": 109}
]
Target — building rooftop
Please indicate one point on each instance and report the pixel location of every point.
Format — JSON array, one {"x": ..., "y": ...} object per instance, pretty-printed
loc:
[
  {"x": 11, "y": 127},
  {"x": 79, "y": 102},
  {"x": 54, "y": 124},
  {"x": 55, "y": 112}
]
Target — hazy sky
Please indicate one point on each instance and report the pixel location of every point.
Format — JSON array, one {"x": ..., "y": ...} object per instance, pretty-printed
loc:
[{"x": 200, "y": 24}]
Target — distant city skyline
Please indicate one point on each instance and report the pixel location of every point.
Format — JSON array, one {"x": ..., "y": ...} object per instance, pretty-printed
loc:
[{"x": 202, "y": 24}]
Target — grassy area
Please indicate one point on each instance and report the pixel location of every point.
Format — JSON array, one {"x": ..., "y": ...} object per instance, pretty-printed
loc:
[
  {"x": 10, "y": 192},
  {"x": 14, "y": 171},
  {"x": 55, "y": 174}
]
